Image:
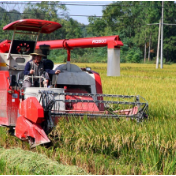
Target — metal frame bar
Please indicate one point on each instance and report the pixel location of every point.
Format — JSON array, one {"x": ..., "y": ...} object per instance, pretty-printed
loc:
[
  {"x": 8, "y": 57},
  {"x": 98, "y": 95},
  {"x": 101, "y": 101},
  {"x": 92, "y": 115},
  {"x": 26, "y": 33}
]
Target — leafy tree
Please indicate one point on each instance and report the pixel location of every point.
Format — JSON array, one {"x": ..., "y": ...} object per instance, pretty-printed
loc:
[
  {"x": 5, "y": 19},
  {"x": 128, "y": 19},
  {"x": 96, "y": 27},
  {"x": 14, "y": 15},
  {"x": 45, "y": 10}
]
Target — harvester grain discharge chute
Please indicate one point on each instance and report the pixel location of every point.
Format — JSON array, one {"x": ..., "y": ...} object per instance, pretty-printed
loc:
[{"x": 77, "y": 92}]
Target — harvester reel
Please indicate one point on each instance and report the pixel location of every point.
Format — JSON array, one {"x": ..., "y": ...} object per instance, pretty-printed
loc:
[{"x": 95, "y": 105}]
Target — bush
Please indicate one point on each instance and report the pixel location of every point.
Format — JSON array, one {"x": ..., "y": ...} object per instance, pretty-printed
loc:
[{"x": 134, "y": 55}]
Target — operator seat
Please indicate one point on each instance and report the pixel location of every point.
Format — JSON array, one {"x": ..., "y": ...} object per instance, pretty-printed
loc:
[
  {"x": 63, "y": 67},
  {"x": 49, "y": 65}
]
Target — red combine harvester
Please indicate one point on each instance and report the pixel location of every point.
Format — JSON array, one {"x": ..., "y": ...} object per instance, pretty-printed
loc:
[{"x": 32, "y": 112}]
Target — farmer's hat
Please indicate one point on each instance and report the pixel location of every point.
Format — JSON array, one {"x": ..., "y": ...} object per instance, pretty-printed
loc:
[{"x": 37, "y": 53}]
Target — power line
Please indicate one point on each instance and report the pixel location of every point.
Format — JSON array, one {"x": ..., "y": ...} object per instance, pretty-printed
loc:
[
  {"x": 99, "y": 16},
  {"x": 75, "y": 4},
  {"x": 106, "y": 5},
  {"x": 61, "y": 14},
  {"x": 116, "y": 25}
]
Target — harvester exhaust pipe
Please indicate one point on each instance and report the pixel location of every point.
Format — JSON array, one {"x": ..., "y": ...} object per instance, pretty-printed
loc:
[
  {"x": 49, "y": 63},
  {"x": 45, "y": 50}
]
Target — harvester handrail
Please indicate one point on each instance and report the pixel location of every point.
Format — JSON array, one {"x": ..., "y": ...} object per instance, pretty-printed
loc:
[{"x": 34, "y": 77}]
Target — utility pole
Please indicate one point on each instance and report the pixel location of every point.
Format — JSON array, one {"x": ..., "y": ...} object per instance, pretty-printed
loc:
[
  {"x": 161, "y": 24},
  {"x": 157, "y": 57},
  {"x": 145, "y": 49},
  {"x": 161, "y": 63},
  {"x": 149, "y": 47}
]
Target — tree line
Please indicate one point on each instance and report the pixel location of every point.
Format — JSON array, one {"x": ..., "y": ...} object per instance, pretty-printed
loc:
[{"x": 128, "y": 19}]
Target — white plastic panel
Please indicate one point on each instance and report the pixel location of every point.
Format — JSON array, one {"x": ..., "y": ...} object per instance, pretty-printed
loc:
[
  {"x": 113, "y": 63},
  {"x": 12, "y": 61},
  {"x": 33, "y": 92}
]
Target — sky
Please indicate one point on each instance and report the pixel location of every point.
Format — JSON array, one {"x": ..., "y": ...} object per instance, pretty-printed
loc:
[
  {"x": 71, "y": 9},
  {"x": 85, "y": 10}
]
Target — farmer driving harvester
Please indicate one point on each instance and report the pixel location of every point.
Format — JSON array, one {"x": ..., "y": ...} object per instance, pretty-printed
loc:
[{"x": 36, "y": 67}]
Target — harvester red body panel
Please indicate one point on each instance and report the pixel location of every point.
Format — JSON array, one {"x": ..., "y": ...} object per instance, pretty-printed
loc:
[
  {"x": 109, "y": 41},
  {"x": 4, "y": 46},
  {"x": 28, "y": 124},
  {"x": 26, "y": 130},
  {"x": 9, "y": 100},
  {"x": 42, "y": 26},
  {"x": 34, "y": 111}
]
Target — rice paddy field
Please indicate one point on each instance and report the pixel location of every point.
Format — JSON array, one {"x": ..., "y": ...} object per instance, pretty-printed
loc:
[{"x": 109, "y": 146}]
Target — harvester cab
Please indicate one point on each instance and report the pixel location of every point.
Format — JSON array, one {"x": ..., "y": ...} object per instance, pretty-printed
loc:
[{"x": 75, "y": 92}]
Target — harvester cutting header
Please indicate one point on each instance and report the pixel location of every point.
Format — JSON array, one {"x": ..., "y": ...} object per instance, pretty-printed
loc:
[{"x": 33, "y": 111}]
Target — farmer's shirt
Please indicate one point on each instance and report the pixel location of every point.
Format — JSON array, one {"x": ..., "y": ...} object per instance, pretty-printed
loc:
[{"x": 38, "y": 69}]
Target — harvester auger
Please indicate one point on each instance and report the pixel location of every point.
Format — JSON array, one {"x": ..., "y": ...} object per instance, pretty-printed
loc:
[{"x": 34, "y": 111}]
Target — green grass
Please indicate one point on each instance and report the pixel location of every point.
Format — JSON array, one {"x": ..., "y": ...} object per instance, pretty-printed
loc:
[
  {"x": 17, "y": 161},
  {"x": 6, "y": 170},
  {"x": 144, "y": 148}
]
